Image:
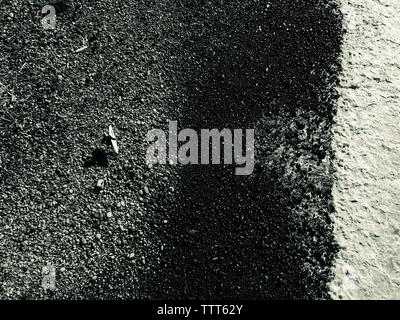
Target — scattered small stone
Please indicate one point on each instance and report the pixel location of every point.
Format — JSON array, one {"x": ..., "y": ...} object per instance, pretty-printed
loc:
[
  {"x": 146, "y": 190},
  {"x": 98, "y": 236},
  {"x": 109, "y": 214},
  {"x": 131, "y": 255},
  {"x": 100, "y": 184},
  {"x": 83, "y": 241}
]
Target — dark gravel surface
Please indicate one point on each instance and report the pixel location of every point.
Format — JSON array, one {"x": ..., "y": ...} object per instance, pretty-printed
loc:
[{"x": 166, "y": 231}]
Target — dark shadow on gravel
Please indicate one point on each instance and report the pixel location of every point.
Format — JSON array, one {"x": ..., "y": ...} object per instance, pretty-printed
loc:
[
  {"x": 268, "y": 235},
  {"x": 99, "y": 158}
]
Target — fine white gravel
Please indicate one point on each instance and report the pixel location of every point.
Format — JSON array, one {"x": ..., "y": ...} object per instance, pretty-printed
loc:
[{"x": 367, "y": 144}]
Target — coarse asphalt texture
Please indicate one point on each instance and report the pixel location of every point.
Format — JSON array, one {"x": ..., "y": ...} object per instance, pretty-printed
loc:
[{"x": 194, "y": 231}]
